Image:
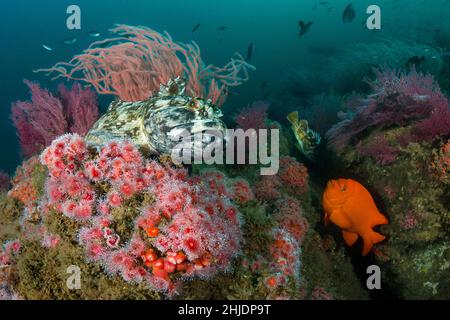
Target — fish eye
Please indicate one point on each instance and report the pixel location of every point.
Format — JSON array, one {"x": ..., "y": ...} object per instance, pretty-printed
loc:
[{"x": 193, "y": 104}]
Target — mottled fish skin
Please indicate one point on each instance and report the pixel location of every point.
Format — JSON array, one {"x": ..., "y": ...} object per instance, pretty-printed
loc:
[
  {"x": 123, "y": 120},
  {"x": 149, "y": 123}
]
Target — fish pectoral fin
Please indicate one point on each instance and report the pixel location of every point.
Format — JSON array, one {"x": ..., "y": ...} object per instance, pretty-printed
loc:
[
  {"x": 349, "y": 237},
  {"x": 370, "y": 240},
  {"x": 339, "y": 219}
]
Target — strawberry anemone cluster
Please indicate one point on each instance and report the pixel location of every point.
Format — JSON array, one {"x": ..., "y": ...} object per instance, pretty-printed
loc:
[
  {"x": 280, "y": 268},
  {"x": 285, "y": 259},
  {"x": 8, "y": 257},
  {"x": 183, "y": 227},
  {"x": 291, "y": 178}
]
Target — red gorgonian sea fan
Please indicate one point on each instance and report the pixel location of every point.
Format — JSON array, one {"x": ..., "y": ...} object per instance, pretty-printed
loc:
[
  {"x": 38, "y": 121},
  {"x": 254, "y": 116},
  {"x": 80, "y": 108},
  {"x": 48, "y": 116},
  {"x": 138, "y": 60},
  {"x": 398, "y": 100}
]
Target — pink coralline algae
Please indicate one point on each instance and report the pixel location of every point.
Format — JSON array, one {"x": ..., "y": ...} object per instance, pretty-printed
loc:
[
  {"x": 46, "y": 116},
  {"x": 142, "y": 59},
  {"x": 397, "y": 100},
  {"x": 379, "y": 150},
  {"x": 390, "y": 192},
  {"x": 190, "y": 228},
  {"x": 409, "y": 221},
  {"x": 254, "y": 116}
]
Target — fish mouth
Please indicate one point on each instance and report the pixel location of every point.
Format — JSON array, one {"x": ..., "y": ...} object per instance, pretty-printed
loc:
[{"x": 335, "y": 192}]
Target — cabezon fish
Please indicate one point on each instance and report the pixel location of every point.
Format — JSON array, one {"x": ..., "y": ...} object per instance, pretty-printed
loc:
[{"x": 153, "y": 124}]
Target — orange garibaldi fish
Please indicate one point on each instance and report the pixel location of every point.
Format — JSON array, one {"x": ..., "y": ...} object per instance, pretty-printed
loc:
[{"x": 351, "y": 207}]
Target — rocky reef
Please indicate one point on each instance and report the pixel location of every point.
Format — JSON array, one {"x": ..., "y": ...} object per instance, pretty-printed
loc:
[
  {"x": 141, "y": 229},
  {"x": 111, "y": 221},
  {"x": 404, "y": 159}
]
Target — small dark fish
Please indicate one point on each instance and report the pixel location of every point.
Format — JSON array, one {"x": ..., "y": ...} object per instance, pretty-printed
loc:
[
  {"x": 70, "y": 40},
  {"x": 46, "y": 47},
  {"x": 349, "y": 14},
  {"x": 220, "y": 40},
  {"x": 304, "y": 27},
  {"x": 196, "y": 28},
  {"x": 315, "y": 7},
  {"x": 415, "y": 61},
  {"x": 222, "y": 28},
  {"x": 330, "y": 9},
  {"x": 250, "y": 51},
  {"x": 324, "y": 3},
  {"x": 94, "y": 34}
]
